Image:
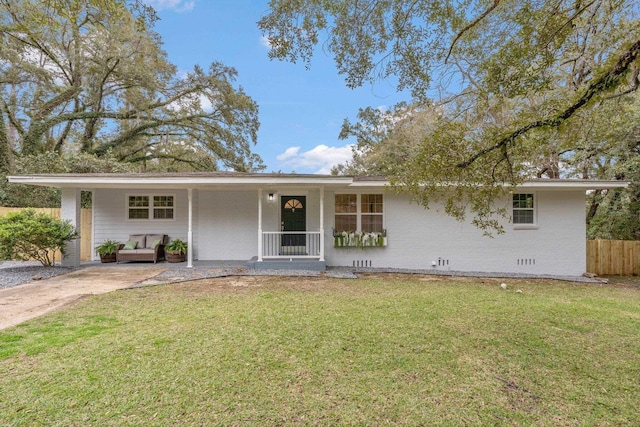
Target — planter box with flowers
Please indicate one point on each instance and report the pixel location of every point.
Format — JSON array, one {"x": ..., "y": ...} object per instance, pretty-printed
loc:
[{"x": 358, "y": 239}]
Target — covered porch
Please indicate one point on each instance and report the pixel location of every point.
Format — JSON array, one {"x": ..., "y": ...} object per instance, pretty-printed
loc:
[{"x": 267, "y": 220}]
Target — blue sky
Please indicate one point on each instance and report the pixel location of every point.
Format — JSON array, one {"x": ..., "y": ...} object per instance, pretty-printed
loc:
[{"x": 301, "y": 111}]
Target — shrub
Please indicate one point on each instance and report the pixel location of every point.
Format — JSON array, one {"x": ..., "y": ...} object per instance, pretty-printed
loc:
[{"x": 33, "y": 235}]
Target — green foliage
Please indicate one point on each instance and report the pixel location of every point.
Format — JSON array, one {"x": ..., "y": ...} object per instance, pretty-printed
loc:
[
  {"x": 29, "y": 234},
  {"x": 46, "y": 197},
  {"x": 108, "y": 247},
  {"x": 176, "y": 246},
  {"x": 502, "y": 91},
  {"x": 91, "y": 76}
]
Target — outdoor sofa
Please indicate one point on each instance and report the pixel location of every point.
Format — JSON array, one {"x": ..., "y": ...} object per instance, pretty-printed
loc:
[{"x": 142, "y": 247}]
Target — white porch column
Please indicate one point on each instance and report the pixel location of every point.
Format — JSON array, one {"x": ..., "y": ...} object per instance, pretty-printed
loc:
[
  {"x": 260, "y": 224},
  {"x": 321, "y": 223},
  {"x": 190, "y": 229},
  {"x": 70, "y": 210}
]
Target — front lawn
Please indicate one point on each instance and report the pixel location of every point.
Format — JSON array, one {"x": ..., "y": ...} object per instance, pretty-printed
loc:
[{"x": 388, "y": 350}]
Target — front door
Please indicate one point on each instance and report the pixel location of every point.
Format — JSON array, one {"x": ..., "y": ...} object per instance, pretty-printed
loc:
[{"x": 294, "y": 218}]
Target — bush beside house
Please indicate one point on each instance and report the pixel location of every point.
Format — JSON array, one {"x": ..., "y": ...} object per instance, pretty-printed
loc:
[{"x": 33, "y": 235}]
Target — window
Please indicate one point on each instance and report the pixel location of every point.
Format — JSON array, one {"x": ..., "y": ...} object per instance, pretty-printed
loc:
[
  {"x": 162, "y": 207},
  {"x": 293, "y": 204},
  {"x": 371, "y": 208},
  {"x": 359, "y": 212},
  {"x": 523, "y": 208},
  {"x": 150, "y": 207},
  {"x": 346, "y": 212}
]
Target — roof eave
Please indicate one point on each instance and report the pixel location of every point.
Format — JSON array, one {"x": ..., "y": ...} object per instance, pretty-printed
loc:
[{"x": 80, "y": 181}]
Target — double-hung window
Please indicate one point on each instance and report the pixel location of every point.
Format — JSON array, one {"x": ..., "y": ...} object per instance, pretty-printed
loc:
[
  {"x": 524, "y": 208},
  {"x": 371, "y": 213},
  {"x": 154, "y": 207},
  {"x": 359, "y": 212},
  {"x": 346, "y": 212}
]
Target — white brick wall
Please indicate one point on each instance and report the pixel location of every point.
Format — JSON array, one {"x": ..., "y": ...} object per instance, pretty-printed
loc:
[
  {"x": 226, "y": 228},
  {"x": 418, "y": 237}
]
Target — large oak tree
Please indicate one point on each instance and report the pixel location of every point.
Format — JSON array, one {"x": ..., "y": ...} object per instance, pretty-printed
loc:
[
  {"x": 90, "y": 76},
  {"x": 507, "y": 85}
]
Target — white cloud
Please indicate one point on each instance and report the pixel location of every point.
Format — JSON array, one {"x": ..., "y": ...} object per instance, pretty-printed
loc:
[
  {"x": 176, "y": 5},
  {"x": 289, "y": 153},
  {"x": 205, "y": 103},
  {"x": 319, "y": 159},
  {"x": 264, "y": 41}
]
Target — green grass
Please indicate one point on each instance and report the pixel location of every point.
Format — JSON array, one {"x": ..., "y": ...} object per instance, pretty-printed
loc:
[{"x": 398, "y": 350}]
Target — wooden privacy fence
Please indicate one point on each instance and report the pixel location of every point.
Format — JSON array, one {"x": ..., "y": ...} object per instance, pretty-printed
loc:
[
  {"x": 86, "y": 251},
  {"x": 613, "y": 257}
]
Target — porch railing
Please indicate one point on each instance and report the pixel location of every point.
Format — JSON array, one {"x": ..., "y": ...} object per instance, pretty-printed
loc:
[{"x": 291, "y": 244}]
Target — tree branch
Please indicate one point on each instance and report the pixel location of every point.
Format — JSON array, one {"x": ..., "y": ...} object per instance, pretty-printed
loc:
[
  {"x": 607, "y": 81},
  {"x": 468, "y": 27}
]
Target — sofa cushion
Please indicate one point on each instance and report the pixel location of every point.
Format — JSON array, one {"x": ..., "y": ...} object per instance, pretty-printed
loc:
[
  {"x": 152, "y": 240},
  {"x": 140, "y": 238},
  {"x": 136, "y": 251},
  {"x": 130, "y": 245}
]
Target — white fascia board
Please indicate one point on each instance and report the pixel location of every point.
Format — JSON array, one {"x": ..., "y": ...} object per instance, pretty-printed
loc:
[
  {"x": 573, "y": 185},
  {"x": 255, "y": 181},
  {"x": 369, "y": 184},
  {"x": 173, "y": 182},
  {"x": 538, "y": 184}
]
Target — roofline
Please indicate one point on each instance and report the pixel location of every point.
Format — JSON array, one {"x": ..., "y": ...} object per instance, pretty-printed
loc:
[
  {"x": 533, "y": 184},
  {"x": 176, "y": 180},
  {"x": 258, "y": 180}
]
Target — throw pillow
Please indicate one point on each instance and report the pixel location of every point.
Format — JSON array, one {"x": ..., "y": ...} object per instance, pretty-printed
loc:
[
  {"x": 139, "y": 238},
  {"x": 156, "y": 243},
  {"x": 131, "y": 244},
  {"x": 151, "y": 240}
]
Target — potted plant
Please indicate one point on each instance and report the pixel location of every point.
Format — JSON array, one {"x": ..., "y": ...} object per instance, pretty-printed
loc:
[
  {"x": 176, "y": 251},
  {"x": 107, "y": 250}
]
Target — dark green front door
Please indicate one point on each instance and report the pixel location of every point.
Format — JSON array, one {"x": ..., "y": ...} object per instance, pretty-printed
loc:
[{"x": 294, "y": 218}]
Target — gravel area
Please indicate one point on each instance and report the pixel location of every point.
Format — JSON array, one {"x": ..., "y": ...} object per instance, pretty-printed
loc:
[
  {"x": 181, "y": 274},
  {"x": 14, "y": 273},
  {"x": 580, "y": 279}
]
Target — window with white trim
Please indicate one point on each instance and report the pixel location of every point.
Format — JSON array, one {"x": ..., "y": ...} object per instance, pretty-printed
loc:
[
  {"x": 359, "y": 212},
  {"x": 371, "y": 213},
  {"x": 524, "y": 208},
  {"x": 154, "y": 207}
]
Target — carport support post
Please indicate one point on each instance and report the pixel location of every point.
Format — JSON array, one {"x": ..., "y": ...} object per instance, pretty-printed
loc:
[
  {"x": 70, "y": 210},
  {"x": 260, "y": 225},
  {"x": 322, "y": 224},
  {"x": 190, "y": 230}
]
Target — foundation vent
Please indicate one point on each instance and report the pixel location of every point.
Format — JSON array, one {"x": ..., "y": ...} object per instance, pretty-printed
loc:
[
  {"x": 526, "y": 261},
  {"x": 362, "y": 263}
]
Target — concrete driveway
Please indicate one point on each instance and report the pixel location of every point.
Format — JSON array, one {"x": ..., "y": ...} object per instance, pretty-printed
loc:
[{"x": 24, "y": 302}]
